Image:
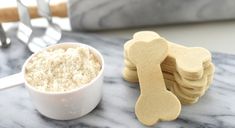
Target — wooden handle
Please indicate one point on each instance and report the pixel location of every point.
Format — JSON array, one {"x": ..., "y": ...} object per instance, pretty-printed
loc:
[{"x": 10, "y": 14}]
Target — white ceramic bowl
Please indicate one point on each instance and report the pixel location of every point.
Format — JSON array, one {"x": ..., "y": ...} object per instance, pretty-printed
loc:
[{"x": 71, "y": 104}]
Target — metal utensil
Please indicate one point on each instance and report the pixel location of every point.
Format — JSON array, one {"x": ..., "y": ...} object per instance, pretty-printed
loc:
[
  {"x": 4, "y": 41},
  {"x": 25, "y": 32}
]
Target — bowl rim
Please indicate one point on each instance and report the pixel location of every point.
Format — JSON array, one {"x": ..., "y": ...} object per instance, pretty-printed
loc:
[{"x": 81, "y": 87}]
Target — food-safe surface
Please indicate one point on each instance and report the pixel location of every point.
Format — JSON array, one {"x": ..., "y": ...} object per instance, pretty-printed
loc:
[{"x": 215, "y": 109}]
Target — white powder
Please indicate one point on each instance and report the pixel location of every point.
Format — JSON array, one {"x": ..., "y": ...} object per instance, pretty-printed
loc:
[{"x": 59, "y": 70}]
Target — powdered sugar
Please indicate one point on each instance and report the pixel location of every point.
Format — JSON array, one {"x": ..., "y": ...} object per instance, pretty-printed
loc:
[{"x": 59, "y": 70}]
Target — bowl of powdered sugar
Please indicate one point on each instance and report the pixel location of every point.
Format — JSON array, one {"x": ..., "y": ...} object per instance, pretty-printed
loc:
[{"x": 65, "y": 80}]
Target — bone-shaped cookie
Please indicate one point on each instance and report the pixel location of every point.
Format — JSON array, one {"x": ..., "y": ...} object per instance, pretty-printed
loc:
[
  {"x": 195, "y": 84},
  {"x": 189, "y": 61},
  {"x": 186, "y": 95},
  {"x": 191, "y": 88},
  {"x": 130, "y": 75},
  {"x": 196, "y": 93},
  {"x": 155, "y": 102},
  {"x": 164, "y": 67},
  {"x": 201, "y": 83},
  {"x": 146, "y": 38}
]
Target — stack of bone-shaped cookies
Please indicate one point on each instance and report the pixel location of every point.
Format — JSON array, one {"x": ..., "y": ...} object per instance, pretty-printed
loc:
[{"x": 186, "y": 72}]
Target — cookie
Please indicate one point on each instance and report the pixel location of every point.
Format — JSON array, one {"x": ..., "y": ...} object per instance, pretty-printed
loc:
[
  {"x": 129, "y": 64},
  {"x": 200, "y": 83},
  {"x": 194, "y": 85},
  {"x": 130, "y": 75},
  {"x": 198, "y": 93},
  {"x": 181, "y": 57},
  {"x": 155, "y": 102},
  {"x": 187, "y": 71},
  {"x": 187, "y": 65},
  {"x": 164, "y": 67},
  {"x": 186, "y": 92},
  {"x": 184, "y": 101}
]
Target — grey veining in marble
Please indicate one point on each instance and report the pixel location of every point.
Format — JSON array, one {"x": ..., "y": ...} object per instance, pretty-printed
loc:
[
  {"x": 216, "y": 109},
  {"x": 112, "y": 14}
]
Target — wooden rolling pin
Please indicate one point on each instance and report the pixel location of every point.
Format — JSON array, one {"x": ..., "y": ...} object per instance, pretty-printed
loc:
[{"x": 10, "y": 14}]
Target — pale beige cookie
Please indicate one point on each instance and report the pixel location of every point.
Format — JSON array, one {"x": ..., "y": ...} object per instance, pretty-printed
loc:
[
  {"x": 146, "y": 36},
  {"x": 200, "y": 83},
  {"x": 189, "y": 84},
  {"x": 155, "y": 102},
  {"x": 166, "y": 68},
  {"x": 186, "y": 102},
  {"x": 178, "y": 91},
  {"x": 128, "y": 64},
  {"x": 187, "y": 94},
  {"x": 130, "y": 75},
  {"x": 189, "y": 61},
  {"x": 192, "y": 92},
  {"x": 169, "y": 80},
  {"x": 182, "y": 99},
  {"x": 126, "y": 48},
  {"x": 169, "y": 67},
  {"x": 172, "y": 62},
  {"x": 180, "y": 59},
  {"x": 187, "y": 91},
  {"x": 210, "y": 79},
  {"x": 197, "y": 91}
]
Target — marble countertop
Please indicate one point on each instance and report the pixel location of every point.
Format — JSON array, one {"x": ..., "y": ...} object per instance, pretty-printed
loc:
[{"x": 215, "y": 109}]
